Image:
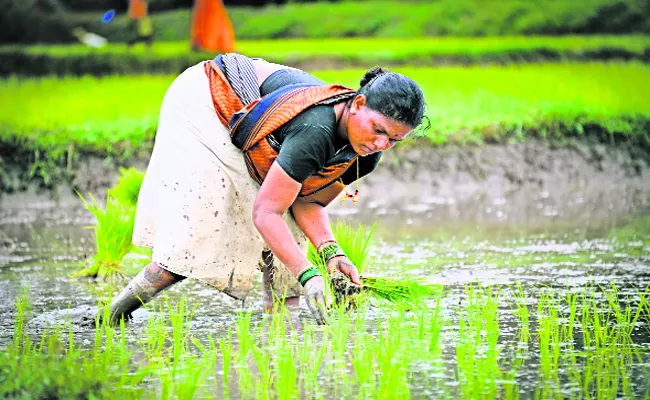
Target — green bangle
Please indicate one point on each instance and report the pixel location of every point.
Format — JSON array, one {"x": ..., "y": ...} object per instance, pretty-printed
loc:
[
  {"x": 330, "y": 251},
  {"x": 307, "y": 274}
]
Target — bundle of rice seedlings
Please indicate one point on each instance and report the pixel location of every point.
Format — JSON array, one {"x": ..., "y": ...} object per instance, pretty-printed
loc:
[
  {"x": 406, "y": 289},
  {"x": 355, "y": 244},
  {"x": 128, "y": 185},
  {"x": 113, "y": 234}
]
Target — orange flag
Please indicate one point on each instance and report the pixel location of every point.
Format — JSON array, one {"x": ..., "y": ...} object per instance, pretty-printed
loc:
[{"x": 211, "y": 27}]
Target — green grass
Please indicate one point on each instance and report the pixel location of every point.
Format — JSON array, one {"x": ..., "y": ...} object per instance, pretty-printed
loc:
[
  {"x": 169, "y": 56},
  {"x": 117, "y": 115}
]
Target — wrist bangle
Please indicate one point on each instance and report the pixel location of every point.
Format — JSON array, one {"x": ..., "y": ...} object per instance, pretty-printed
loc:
[
  {"x": 308, "y": 273},
  {"x": 319, "y": 249},
  {"x": 330, "y": 251}
]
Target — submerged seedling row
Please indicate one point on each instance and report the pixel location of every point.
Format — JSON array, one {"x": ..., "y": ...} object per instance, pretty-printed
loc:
[{"x": 580, "y": 343}]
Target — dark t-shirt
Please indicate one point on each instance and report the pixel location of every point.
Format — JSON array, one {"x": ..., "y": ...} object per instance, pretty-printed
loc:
[{"x": 309, "y": 140}]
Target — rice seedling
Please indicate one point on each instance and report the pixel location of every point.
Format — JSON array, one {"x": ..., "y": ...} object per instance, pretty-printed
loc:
[
  {"x": 23, "y": 308},
  {"x": 549, "y": 334},
  {"x": 311, "y": 353},
  {"x": 156, "y": 336},
  {"x": 644, "y": 305},
  {"x": 600, "y": 376},
  {"x": 627, "y": 318},
  {"x": 392, "y": 359},
  {"x": 362, "y": 360},
  {"x": 408, "y": 289},
  {"x": 360, "y": 357},
  {"x": 55, "y": 367},
  {"x": 599, "y": 333},
  {"x": 188, "y": 375},
  {"x": 522, "y": 313},
  {"x": 466, "y": 105},
  {"x": 244, "y": 336},
  {"x": 436, "y": 325},
  {"x": 359, "y": 51},
  {"x": 180, "y": 322},
  {"x": 225, "y": 347},
  {"x": 476, "y": 351},
  {"x": 127, "y": 188},
  {"x": 355, "y": 243},
  {"x": 285, "y": 370},
  {"x": 572, "y": 304},
  {"x": 510, "y": 385},
  {"x": 112, "y": 233},
  {"x": 263, "y": 362}
]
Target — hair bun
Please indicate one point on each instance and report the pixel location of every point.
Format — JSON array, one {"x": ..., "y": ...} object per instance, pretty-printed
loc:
[{"x": 372, "y": 74}]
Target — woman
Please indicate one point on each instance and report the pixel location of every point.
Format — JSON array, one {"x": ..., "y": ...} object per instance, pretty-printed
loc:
[
  {"x": 249, "y": 153},
  {"x": 139, "y": 15}
]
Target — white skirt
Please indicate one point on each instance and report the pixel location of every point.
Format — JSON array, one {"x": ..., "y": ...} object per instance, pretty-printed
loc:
[{"x": 196, "y": 202}]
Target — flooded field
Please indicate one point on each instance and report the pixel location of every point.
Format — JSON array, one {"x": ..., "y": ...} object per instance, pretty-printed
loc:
[{"x": 553, "y": 312}]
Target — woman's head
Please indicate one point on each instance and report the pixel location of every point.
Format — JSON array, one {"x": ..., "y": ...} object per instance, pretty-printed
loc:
[{"x": 387, "y": 107}]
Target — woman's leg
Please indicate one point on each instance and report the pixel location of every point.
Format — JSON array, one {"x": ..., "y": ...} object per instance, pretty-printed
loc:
[{"x": 152, "y": 280}]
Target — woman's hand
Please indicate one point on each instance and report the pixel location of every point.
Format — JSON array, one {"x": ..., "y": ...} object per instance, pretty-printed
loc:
[
  {"x": 343, "y": 264},
  {"x": 315, "y": 294}
]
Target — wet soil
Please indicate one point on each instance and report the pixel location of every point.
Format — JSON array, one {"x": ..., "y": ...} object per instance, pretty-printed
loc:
[
  {"x": 576, "y": 196},
  {"x": 534, "y": 184},
  {"x": 45, "y": 255}
]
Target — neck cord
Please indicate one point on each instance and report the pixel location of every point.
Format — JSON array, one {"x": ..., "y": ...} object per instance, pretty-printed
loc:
[{"x": 346, "y": 195}]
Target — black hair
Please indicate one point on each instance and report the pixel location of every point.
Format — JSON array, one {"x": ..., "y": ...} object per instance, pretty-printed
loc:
[{"x": 393, "y": 95}]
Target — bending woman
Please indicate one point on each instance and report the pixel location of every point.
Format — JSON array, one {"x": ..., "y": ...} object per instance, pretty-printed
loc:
[{"x": 247, "y": 156}]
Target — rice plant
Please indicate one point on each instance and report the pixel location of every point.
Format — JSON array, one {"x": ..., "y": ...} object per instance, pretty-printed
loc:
[
  {"x": 378, "y": 352},
  {"x": 113, "y": 233},
  {"x": 127, "y": 188},
  {"x": 466, "y": 104},
  {"x": 54, "y": 366},
  {"x": 355, "y": 243}
]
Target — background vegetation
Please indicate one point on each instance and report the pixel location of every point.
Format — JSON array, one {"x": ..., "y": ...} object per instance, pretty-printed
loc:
[
  {"x": 49, "y": 121},
  {"x": 28, "y": 21},
  {"x": 173, "y": 57}
]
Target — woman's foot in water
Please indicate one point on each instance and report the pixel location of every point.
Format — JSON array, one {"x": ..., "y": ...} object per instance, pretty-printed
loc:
[{"x": 152, "y": 280}]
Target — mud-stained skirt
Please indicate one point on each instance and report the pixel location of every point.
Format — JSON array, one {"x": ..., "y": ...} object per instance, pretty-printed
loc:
[{"x": 196, "y": 202}]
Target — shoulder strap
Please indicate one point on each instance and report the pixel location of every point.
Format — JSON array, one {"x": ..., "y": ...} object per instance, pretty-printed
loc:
[{"x": 264, "y": 116}]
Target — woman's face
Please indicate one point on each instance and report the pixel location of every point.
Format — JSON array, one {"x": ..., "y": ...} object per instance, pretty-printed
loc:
[{"x": 370, "y": 131}]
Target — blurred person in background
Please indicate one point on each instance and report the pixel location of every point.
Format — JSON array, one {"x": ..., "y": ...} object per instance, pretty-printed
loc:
[
  {"x": 141, "y": 22},
  {"x": 247, "y": 156},
  {"x": 211, "y": 27}
]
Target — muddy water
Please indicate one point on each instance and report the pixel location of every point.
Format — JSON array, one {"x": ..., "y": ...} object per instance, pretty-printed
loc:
[{"x": 564, "y": 255}]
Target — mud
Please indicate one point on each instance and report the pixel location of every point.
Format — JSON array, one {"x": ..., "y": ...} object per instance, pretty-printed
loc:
[{"x": 533, "y": 184}]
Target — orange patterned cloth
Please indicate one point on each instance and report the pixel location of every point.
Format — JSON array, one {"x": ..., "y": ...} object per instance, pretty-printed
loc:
[
  {"x": 261, "y": 118},
  {"x": 226, "y": 102},
  {"x": 137, "y": 9},
  {"x": 211, "y": 27}
]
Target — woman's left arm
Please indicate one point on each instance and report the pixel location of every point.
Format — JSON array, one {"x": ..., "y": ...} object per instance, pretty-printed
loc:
[{"x": 311, "y": 215}]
